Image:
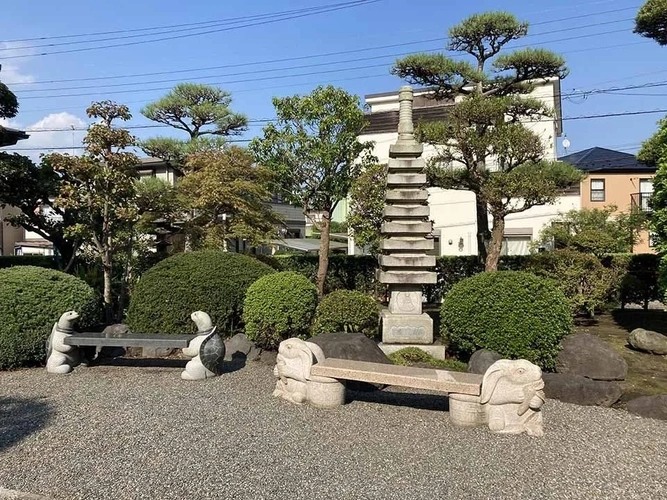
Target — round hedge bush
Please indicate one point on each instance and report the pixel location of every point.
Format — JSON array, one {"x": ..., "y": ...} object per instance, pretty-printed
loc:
[
  {"x": 514, "y": 313},
  {"x": 211, "y": 281},
  {"x": 33, "y": 299},
  {"x": 279, "y": 306},
  {"x": 347, "y": 311}
]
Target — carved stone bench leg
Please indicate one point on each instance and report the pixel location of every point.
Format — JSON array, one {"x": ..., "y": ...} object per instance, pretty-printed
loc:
[
  {"x": 466, "y": 411},
  {"x": 62, "y": 358},
  {"x": 325, "y": 392}
]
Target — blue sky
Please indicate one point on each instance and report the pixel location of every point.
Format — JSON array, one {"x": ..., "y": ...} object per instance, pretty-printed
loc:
[{"x": 599, "y": 46}]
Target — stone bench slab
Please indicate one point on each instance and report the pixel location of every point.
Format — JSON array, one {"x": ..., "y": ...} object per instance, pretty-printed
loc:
[
  {"x": 130, "y": 340},
  {"x": 403, "y": 376}
]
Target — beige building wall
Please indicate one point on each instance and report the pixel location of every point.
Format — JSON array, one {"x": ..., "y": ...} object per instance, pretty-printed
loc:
[
  {"x": 618, "y": 190},
  {"x": 9, "y": 235}
]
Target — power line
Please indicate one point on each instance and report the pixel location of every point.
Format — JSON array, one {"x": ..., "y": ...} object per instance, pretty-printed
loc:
[
  {"x": 290, "y": 59},
  {"x": 273, "y": 77},
  {"x": 347, "y": 5}
]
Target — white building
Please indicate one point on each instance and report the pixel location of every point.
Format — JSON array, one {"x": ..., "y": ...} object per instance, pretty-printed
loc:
[{"x": 453, "y": 212}]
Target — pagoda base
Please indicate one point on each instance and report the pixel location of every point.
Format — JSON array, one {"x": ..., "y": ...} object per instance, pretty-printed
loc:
[{"x": 406, "y": 328}]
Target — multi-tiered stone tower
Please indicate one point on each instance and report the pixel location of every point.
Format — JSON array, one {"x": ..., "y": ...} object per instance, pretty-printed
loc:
[{"x": 404, "y": 264}]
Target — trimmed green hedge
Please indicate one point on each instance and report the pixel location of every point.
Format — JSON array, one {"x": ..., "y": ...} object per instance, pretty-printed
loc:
[
  {"x": 33, "y": 299},
  {"x": 347, "y": 311},
  {"x": 514, "y": 313},
  {"x": 279, "y": 306},
  {"x": 28, "y": 260},
  {"x": 211, "y": 281}
]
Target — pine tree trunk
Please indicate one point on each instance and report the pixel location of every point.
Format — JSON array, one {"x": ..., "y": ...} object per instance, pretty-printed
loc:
[
  {"x": 483, "y": 235},
  {"x": 497, "y": 233},
  {"x": 325, "y": 228}
]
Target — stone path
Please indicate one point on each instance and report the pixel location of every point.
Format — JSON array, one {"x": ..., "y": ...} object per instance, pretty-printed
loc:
[{"x": 143, "y": 433}]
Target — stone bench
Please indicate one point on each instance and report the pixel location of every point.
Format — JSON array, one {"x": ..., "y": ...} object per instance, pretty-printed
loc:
[
  {"x": 507, "y": 398},
  {"x": 205, "y": 348}
]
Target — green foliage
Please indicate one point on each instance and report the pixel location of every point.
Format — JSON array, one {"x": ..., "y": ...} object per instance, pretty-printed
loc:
[
  {"x": 581, "y": 277},
  {"x": 28, "y": 260},
  {"x": 277, "y": 307},
  {"x": 347, "y": 311},
  {"x": 639, "y": 282},
  {"x": 367, "y": 203},
  {"x": 599, "y": 231},
  {"x": 655, "y": 147},
  {"x": 409, "y": 356},
  {"x": 515, "y": 313},
  {"x": 9, "y": 104},
  {"x": 313, "y": 148},
  {"x": 651, "y": 21},
  {"x": 654, "y": 153},
  {"x": 33, "y": 299},
  {"x": 228, "y": 194},
  {"x": 211, "y": 281},
  {"x": 197, "y": 109}
]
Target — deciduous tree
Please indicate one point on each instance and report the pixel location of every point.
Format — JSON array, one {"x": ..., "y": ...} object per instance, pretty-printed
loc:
[
  {"x": 367, "y": 202},
  {"x": 488, "y": 98},
  {"x": 314, "y": 151}
]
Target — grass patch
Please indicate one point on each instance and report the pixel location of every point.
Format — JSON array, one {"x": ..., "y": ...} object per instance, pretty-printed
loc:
[{"x": 413, "y": 356}]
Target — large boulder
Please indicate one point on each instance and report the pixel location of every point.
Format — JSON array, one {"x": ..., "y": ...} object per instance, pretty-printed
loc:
[
  {"x": 649, "y": 406},
  {"x": 648, "y": 341},
  {"x": 580, "y": 390},
  {"x": 589, "y": 356},
  {"x": 237, "y": 346},
  {"x": 353, "y": 346},
  {"x": 481, "y": 360}
]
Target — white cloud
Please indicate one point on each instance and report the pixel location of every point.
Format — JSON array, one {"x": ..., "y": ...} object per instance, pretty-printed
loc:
[
  {"x": 11, "y": 72},
  {"x": 51, "y": 138}
]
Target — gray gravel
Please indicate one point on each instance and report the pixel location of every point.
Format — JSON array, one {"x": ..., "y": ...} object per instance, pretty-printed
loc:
[{"x": 140, "y": 432}]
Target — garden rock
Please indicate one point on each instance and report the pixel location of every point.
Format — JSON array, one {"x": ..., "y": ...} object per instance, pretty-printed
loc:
[
  {"x": 113, "y": 331},
  {"x": 481, "y": 360},
  {"x": 238, "y": 346},
  {"x": 254, "y": 354},
  {"x": 268, "y": 357},
  {"x": 353, "y": 346},
  {"x": 580, "y": 390},
  {"x": 648, "y": 341},
  {"x": 649, "y": 406},
  {"x": 589, "y": 356}
]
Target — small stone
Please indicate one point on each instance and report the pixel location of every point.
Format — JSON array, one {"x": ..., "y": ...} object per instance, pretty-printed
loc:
[
  {"x": 117, "y": 329},
  {"x": 156, "y": 352},
  {"x": 268, "y": 357},
  {"x": 481, "y": 360},
  {"x": 589, "y": 356},
  {"x": 237, "y": 346},
  {"x": 649, "y": 406},
  {"x": 254, "y": 354},
  {"x": 579, "y": 390},
  {"x": 648, "y": 341}
]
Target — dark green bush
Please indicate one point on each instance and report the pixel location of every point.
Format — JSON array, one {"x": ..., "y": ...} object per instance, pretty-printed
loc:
[
  {"x": 211, "y": 281},
  {"x": 515, "y": 313},
  {"x": 409, "y": 356},
  {"x": 279, "y": 306},
  {"x": 28, "y": 260},
  {"x": 33, "y": 299},
  {"x": 637, "y": 277},
  {"x": 347, "y": 311}
]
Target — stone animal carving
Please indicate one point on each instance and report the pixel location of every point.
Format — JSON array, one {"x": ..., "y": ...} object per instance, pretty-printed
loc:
[
  {"x": 293, "y": 364},
  {"x": 512, "y": 393},
  {"x": 62, "y": 358},
  {"x": 206, "y": 350}
]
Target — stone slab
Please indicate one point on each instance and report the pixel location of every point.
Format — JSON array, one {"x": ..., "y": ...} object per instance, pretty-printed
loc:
[
  {"x": 406, "y": 149},
  {"x": 436, "y": 350},
  {"x": 406, "y": 163},
  {"x": 407, "y": 227},
  {"x": 404, "y": 300},
  {"x": 407, "y": 195},
  {"x": 406, "y": 179},
  {"x": 130, "y": 340},
  {"x": 401, "y": 277},
  {"x": 407, "y": 243},
  {"x": 403, "y": 376},
  {"x": 406, "y": 211},
  {"x": 407, "y": 260},
  {"x": 406, "y": 328}
]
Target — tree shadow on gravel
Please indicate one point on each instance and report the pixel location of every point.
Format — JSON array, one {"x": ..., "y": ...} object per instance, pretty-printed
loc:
[
  {"x": 21, "y": 417},
  {"x": 436, "y": 402},
  {"x": 629, "y": 319}
]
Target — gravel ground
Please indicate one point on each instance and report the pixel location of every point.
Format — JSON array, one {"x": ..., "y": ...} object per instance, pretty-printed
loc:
[{"x": 128, "y": 432}]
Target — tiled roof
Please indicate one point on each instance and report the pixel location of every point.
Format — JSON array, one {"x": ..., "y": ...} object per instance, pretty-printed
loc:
[
  {"x": 10, "y": 136},
  {"x": 605, "y": 160}
]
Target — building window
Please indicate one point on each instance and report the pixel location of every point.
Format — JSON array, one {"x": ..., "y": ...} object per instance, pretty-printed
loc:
[
  {"x": 597, "y": 189},
  {"x": 645, "y": 192}
]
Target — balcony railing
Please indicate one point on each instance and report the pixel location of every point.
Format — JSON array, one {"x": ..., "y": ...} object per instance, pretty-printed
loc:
[{"x": 640, "y": 201}]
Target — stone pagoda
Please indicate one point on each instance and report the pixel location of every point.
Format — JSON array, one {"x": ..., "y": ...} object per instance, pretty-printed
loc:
[{"x": 406, "y": 228}]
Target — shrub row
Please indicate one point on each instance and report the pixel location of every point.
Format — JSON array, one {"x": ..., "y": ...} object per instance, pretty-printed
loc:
[
  {"x": 590, "y": 283},
  {"x": 28, "y": 260}
]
